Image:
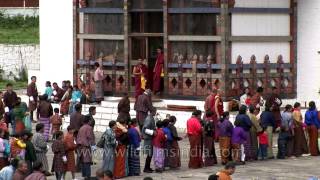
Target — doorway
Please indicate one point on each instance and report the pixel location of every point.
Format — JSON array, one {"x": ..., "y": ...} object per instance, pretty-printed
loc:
[{"x": 145, "y": 48}]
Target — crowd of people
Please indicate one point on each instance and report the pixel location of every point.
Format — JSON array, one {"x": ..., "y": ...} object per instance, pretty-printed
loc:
[{"x": 23, "y": 153}]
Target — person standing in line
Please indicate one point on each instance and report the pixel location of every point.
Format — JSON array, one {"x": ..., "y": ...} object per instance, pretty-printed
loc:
[
  {"x": 143, "y": 106},
  {"x": 70, "y": 147},
  {"x": 263, "y": 144},
  {"x": 239, "y": 137},
  {"x": 134, "y": 149},
  {"x": 57, "y": 93},
  {"x": 76, "y": 118},
  {"x": 299, "y": 138},
  {"x": 194, "y": 132},
  {"x": 174, "y": 150},
  {"x": 32, "y": 92},
  {"x": 148, "y": 132},
  {"x": 245, "y": 96},
  {"x": 86, "y": 142},
  {"x": 287, "y": 125},
  {"x": 124, "y": 108},
  {"x": 257, "y": 100},
  {"x": 226, "y": 129},
  {"x": 59, "y": 158},
  {"x": 274, "y": 102},
  {"x": 158, "y": 71},
  {"x": 109, "y": 143},
  {"x": 48, "y": 91},
  {"x": 92, "y": 112},
  {"x": 10, "y": 98},
  {"x": 44, "y": 112},
  {"x": 120, "y": 165},
  {"x": 75, "y": 98},
  {"x": 56, "y": 122},
  {"x": 268, "y": 122},
  {"x": 254, "y": 130},
  {"x": 98, "y": 80},
  {"x": 158, "y": 147},
  {"x": 313, "y": 125},
  {"x": 168, "y": 142},
  {"x": 41, "y": 147},
  {"x": 210, "y": 157},
  {"x": 65, "y": 101},
  {"x": 245, "y": 123},
  {"x": 30, "y": 156}
]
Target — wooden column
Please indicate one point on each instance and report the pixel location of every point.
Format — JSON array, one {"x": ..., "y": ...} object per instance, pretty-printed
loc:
[
  {"x": 225, "y": 29},
  {"x": 293, "y": 45},
  {"x": 165, "y": 46},
  {"x": 127, "y": 69},
  {"x": 75, "y": 40}
]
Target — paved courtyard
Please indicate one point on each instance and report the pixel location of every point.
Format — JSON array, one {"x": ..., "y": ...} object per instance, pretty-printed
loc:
[{"x": 290, "y": 169}]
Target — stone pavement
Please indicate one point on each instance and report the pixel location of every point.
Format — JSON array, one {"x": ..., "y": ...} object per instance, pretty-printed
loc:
[{"x": 289, "y": 169}]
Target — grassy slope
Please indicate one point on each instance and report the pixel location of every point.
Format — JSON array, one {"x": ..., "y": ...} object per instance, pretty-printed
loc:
[
  {"x": 16, "y": 85},
  {"x": 29, "y": 35}
]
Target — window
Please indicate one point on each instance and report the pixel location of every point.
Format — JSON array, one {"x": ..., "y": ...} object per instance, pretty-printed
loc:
[
  {"x": 103, "y": 24},
  {"x": 107, "y": 48},
  {"x": 105, "y": 3}
]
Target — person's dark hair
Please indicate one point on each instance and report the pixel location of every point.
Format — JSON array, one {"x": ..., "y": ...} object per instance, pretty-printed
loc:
[
  {"x": 92, "y": 108},
  {"x": 172, "y": 119},
  {"x": 312, "y": 105},
  {"x": 1, "y": 92},
  {"x": 133, "y": 121},
  {"x": 54, "y": 84},
  {"x": 267, "y": 108},
  {"x": 287, "y": 108},
  {"x": 48, "y": 83},
  {"x": 56, "y": 110},
  {"x": 100, "y": 173},
  {"x": 230, "y": 165},
  {"x": 209, "y": 113},
  {"x": 213, "y": 177},
  {"x": 243, "y": 109},
  {"x": 148, "y": 178},
  {"x": 86, "y": 119},
  {"x": 225, "y": 114},
  {"x": 112, "y": 123},
  {"x": 197, "y": 113},
  {"x": 21, "y": 163},
  {"x": 96, "y": 64},
  {"x": 121, "y": 121},
  {"x": 237, "y": 123},
  {"x": 14, "y": 163},
  {"x": 27, "y": 133},
  {"x": 78, "y": 107},
  {"x": 9, "y": 85},
  {"x": 37, "y": 166},
  {"x": 58, "y": 134},
  {"x": 159, "y": 124},
  {"x": 160, "y": 48},
  {"x": 165, "y": 122},
  {"x": 108, "y": 173},
  {"x": 252, "y": 109},
  {"x": 39, "y": 126},
  {"x": 69, "y": 128},
  {"x": 33, "y": 77},
  {"x": 75, "y": 87},
  {"x": 260, "y": 89},
  {"x": 296, "y": 105},
  {"x": 43, "y": 97}
]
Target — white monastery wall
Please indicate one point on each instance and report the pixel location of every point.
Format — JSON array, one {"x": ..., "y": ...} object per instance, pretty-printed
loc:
[
  {"x": 56, "y": 41},
  {"x": 308, "y": 50}
]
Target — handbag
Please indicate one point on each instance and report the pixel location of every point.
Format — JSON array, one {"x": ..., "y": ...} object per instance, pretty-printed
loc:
[{"x": 100, "y": 143}]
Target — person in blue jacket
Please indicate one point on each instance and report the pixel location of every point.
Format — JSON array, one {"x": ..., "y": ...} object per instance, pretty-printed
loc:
[{"x": 313, "y": 124}]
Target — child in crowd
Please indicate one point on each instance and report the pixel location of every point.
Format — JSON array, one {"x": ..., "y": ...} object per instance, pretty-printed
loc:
[
  {"x": 263, "y": 144},
  {"x": 225, "y": 134},
  {"x": 30, "y": 151},
  {"x": 59, "y": 158},
  {"x": 168, "y": 141},
  {"x": 18, "y": 147},
  {"x": 56, "y": 122},
  {"x": 158, "y": 147},
  {"x": 70, "y": 147},
  {"x": 284, "y": 137},
  {"x": 134, "y": 149},
  {"x": 238, "y": 139}
]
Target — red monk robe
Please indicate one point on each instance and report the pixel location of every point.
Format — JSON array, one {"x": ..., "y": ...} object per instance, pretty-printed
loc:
[
  {"x": 139, "y": 71},
  {"x": 158, "y": 69}
]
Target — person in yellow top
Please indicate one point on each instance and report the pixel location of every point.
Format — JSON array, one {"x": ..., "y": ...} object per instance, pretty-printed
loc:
[
  {"x": 299, "y": 138},
  {"x": 18, "y": 147}
]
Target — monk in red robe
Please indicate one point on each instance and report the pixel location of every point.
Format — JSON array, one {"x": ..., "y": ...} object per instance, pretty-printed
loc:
[
  {"x": 140, "y": 70},
  {"x": 157, "y": 71}
]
